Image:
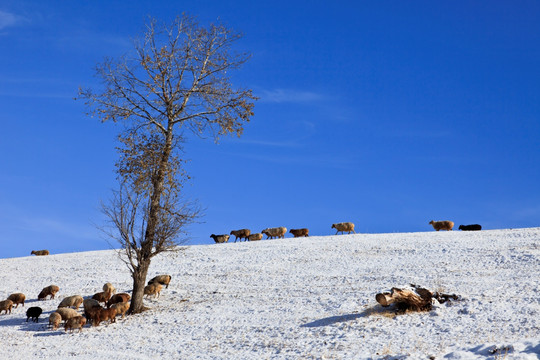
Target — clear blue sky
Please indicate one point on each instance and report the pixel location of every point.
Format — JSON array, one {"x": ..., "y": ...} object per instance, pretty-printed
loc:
[{"x": 385, "y": 113}]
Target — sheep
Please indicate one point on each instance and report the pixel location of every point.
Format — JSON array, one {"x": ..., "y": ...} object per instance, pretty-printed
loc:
[
  {"x": 161, "y": 279},
  {"x": 121, "y": 308},
  {"x": 299, "y": 232},
  {"x": 219, "y": 239},
  {"x": 241, "y": 234},
  {"x": 255, "y": 237},
  {"x": 117, "y": 298},
  {"x": 76, "y": 322},
  {"x": 17, "y": 298},
  {"x": 104, "y": 314},
  {"x": 442, "y": 225},
  {"x": 67, "y": 313},
  {"x": 33, "y": 313},
  {"x": 6, "y": 306},
  {"x": 39, "y": 252},
  {"x": 74, "y": 300},
  {"x": 102, "y": 296},
  {"x": 153, "y": 289},
  {"x": 344, "y": 226},
  {"x": 89, "y": 305},
  {"x": 54, "y": 320},
  {"x": 278, "y": 232},
  {"x": 474, "y": 227},
  {"x": 108, "y": 287},
  {"x": 49, "y": 290}
]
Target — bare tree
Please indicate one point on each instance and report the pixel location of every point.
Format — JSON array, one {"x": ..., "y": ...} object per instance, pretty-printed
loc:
[{"x": 176, "y": 82}]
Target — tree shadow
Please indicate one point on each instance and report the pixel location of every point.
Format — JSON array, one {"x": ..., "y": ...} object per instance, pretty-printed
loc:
[{"x": 377, "y": 310}]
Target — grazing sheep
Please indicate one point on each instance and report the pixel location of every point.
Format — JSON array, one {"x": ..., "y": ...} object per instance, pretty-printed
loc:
[
  {"x": 49, "y": 290},
  {"x": 54, "y": 320},
  {"x": 241, "y": 234},
  {"x": 103, "y": 315},
  {"x": 161, "y": 279},
  {"x": 442, "y": 225},
  {"x": 74, "y": 300},
  {"x": 344, "y": 226},
  {"x": 6, "y": 306},
  {"x": 219, "y": 239},
  {"x": 39, "y": 252},
  {"x": 278, "y": 232},
  {"x": 76, "y": 322},
  {"x": 121, "y": 308},
  {"x": 255, "y": 237},
  {"x": 89, "y": 305},
  {"x": 17, "y": 298},
  {"x": 118, "y": 298},
  {"x": 108, "y": 287},
  {"x": 299, "y": 232},
  {"x": 67, "y": 313},
  {"x": 33, "y": 313},
  {"x": 153, "y": 289},
  {"x": 474, "y": 227},
  {"x": 102, "y": 296}
]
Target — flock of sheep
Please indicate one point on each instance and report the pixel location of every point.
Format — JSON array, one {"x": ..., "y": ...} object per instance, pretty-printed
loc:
[
  {"x": 94, "y": 313},
  {"x": 279, "y": 232}
]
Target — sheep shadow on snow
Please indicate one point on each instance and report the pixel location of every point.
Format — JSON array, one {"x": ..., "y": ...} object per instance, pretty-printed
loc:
[{"x": 376, "y": 310}]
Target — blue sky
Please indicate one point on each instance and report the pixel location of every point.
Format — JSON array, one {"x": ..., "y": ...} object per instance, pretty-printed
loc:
[{"x": 388, "y": 114}]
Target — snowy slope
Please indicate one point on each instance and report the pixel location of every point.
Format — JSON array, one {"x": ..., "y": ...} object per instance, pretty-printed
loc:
[{"x": 309, "y": 298}]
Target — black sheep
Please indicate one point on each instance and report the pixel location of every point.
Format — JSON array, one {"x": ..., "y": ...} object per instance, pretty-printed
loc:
[
  {"x": 474, "y": 227},
  {"x": 33, "y": 313}
]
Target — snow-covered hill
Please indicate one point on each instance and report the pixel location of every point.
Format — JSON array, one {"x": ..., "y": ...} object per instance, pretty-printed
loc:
[{"x": 309, "y": 298}]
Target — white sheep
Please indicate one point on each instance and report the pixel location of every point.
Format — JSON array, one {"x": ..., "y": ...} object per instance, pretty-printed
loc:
[
  {"x": 442, "y": 225},
  {"x": 161, "y": 279},
  {"x": 344, "y": 226},
  {"x": 54, "y": 320},
  {"x": 67, "y": 313},
  {"x": 74, "y": 300},
  {"x": 277, "y": 232},
  {"x": 153, "y": 289},
  {"x": 109, "y": 288}
]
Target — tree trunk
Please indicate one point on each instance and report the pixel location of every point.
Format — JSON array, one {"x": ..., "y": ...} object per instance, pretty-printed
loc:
[{"x": 139, "y": 282}]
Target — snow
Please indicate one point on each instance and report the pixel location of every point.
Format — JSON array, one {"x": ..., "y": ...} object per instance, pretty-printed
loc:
[{"x": 308, "y": 298}]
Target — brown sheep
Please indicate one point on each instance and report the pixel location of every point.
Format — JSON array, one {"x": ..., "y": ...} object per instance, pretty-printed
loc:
[
  {"x": 90, "y": 305},
  {"x": 71, "y": 301},
  {"x": 33, "y": 313},
  {"x": 54, "y": 320},
  {"x": 442, "y": 225},
  {"x": 102, "y": 296},
  {"x": 103, "y": 315},
  {"x": 278, "y": 232},
  {"x": 67, "y": 313},
  {"x": 219, "y": 239},
  {"x": 121, "y": 308},
  {"x": 344, "y": 226},
  {"x": 153, "y": 289},
  {"x": 241, "y": 234},
  {"x": 117, "y": 298},
  {"x": 6, "y": 306},
  {"x": 49, "y": 290},
  {"x": 17, "y": 298},
  {"x": 39, "y": 252},
  {"x": 76, "y": 322},
  {"x": 161, "y": 279},
  {"x": 255, "y": 237},
  {"x": 299, "y": 232}
]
